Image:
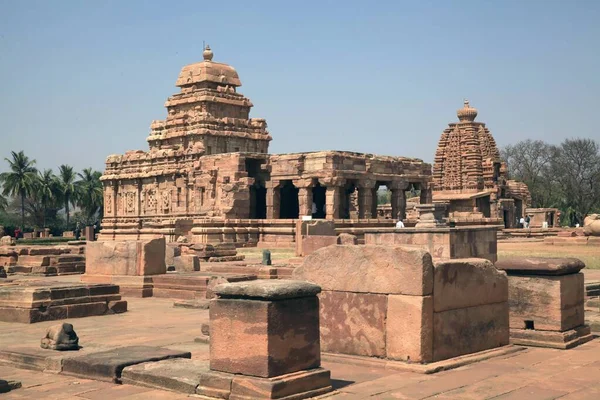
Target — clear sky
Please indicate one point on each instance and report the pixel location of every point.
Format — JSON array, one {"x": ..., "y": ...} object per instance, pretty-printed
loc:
[{"x": 80, "y": 80}]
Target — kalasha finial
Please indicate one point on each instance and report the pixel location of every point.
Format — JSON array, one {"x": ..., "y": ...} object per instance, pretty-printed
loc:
[
  {"x": 467, "y": 113},
  {"x": 208, "y": 54}
]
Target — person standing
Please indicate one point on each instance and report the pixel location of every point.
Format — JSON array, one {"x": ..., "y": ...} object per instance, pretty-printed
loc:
[
  {"x": 522, "y": 222},
  {"x": 527, "y": 220}
]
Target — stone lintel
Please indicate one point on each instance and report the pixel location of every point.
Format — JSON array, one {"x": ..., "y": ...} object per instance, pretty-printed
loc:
[{"x": 540, "y": 266}]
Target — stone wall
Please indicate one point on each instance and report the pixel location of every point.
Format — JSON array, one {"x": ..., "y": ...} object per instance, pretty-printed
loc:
[{"x": 393, "y": 302}]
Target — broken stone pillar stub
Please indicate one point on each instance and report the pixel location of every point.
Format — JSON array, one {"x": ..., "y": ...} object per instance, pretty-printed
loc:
[
  {"x": 266, "y": 257},
  {"x": 278, "y": 322}
]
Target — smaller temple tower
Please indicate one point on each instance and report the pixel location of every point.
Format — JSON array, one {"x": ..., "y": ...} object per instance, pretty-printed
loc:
[{"x": 471, "y": 178}]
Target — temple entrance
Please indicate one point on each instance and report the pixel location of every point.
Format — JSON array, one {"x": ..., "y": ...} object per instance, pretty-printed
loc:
[
  {"x": 318, "y": 201},
  {"x": 483, "y": 205},
  {"x": 288, "y": 201},
  {"x": 506, "y": 217},
  {"x": 518, "y": 208},
  {"x": 258, "y": 201}
]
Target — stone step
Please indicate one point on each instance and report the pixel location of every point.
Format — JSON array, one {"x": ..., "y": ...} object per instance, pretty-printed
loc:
[
  {"x": 177, "y": 375},
  {"x": 108, "y": 365},
  {"x": 200, "y": 304}
]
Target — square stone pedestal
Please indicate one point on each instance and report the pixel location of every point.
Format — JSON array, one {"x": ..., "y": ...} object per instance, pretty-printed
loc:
[
  {"x": 265, "y": 336},
  {"x": 546, "y": 302}
]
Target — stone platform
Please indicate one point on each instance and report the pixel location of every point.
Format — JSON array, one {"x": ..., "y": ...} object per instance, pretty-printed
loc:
[
  {"x": 183, "y": 286},
  {"x": 36, "y": 301},
  {"x": 43, "y": 260}
]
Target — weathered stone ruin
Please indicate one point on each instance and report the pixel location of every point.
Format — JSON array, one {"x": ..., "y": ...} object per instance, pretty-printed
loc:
[
  {"x": 36, "y": 301},
  {"x": 43, "y": 260},
  {"x": 546, "y": 298},
  {"x": 394, "y": 302},
  {"x": 470, "y": 177},
  {"x": 60, "y": 337}
]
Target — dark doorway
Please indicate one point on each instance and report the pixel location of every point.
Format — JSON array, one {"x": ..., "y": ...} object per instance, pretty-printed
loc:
[
  {"x": 288, "y": 201},
  {"x": 506, "y": 219},
  {"x": 347, "y": 201},
  {"x": 483, "y": 205},
  {"x": 318, "y": 206},
  {"x": 518, "y": 208},
  {"x": 258, "y": 201}
]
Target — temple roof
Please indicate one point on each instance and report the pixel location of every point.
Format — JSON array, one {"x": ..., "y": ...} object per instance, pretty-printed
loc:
[{"x": 208, "y": 71}]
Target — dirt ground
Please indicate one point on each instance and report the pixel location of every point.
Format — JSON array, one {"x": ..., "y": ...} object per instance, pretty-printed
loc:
[{"x": 590, "y": 255}]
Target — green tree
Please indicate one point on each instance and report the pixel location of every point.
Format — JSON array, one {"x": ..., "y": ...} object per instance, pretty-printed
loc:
[
  {"x": 91, "y": 195},
  {"x": 20, "y": 181},
  {"x": 44, "y": 198},
  {"x": 3, "y": 202},
  {"x": 67, "y": 188}
]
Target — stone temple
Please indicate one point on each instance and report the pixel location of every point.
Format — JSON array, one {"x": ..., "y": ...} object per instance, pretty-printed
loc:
[
  {"x": 208, "y": 175},
  {"x": 471, "y": 179}
]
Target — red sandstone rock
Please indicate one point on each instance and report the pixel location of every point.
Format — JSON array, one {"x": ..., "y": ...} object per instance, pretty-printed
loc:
[
  {"x": 133, "y": 258},
  {"x": 540, "y": 266},
  {"x": 409, "y": 328},
  {"x": 369, "y": 269}
]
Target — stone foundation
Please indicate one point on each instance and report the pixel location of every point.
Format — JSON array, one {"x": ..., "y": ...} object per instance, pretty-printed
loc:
[
  {"x": 43, "y": 260},
  {"x": 37, "y": 301}
]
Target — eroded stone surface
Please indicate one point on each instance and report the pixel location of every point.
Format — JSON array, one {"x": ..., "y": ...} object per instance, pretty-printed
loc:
[
  {"x": 133, "y": 258},
  {"x": 540, "y": 265},
  {"x": 267, "y": 289},
  {"x": 60, "y": 337},
  {"x": 369, "y": 269}
]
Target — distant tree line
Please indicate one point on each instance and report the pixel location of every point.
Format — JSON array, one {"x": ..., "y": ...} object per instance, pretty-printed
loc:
[
  {"x": 566, "y": 176},
  {"x": 30, "y": 198}
]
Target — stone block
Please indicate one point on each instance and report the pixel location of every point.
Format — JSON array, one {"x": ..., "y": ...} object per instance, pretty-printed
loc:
[
  {"x": 172, "y": 250},
  {"x": 540, "y": 266},
  {"x": 552, "y": 303},
  {"x": 297, "y": 385},
  {"x": 312, "y": 243},
  {"x": 133, "y": 258},
  {"x": 369, "y": 269},
  {"x": 180, "y": 375},
  {"x": 409, "y": 328},
  {"x": 347, "y": 239},
  {"x": 467, "y": 282},
  {"x": 469, "y": 330},
  {"x": 278, "y": 322},
  {"x": 186, "y": 263},
  {"x": 353, "y": 323}
]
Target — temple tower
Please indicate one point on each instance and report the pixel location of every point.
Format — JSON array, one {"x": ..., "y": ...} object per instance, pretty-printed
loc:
[{"x": 209, "y": 110}]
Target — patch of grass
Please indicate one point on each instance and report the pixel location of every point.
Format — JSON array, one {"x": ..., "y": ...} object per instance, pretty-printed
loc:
[
  {"x": 44, "y": 241},
  {"x": 276, "y": 254}
]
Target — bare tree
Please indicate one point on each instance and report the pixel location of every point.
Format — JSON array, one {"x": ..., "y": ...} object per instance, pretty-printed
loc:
[
  {"x": 530, "y": 161},
  {"x": 576, "y": 165}
]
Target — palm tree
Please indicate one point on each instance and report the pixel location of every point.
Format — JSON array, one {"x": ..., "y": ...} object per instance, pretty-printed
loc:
[
  {"x": 67, "y": 187},
  {"x": 91, "y": 195},
  {"x": 46, "y": 192},
  {"x": 20, "y": 181},
  {"x": 3, "y": 202}
]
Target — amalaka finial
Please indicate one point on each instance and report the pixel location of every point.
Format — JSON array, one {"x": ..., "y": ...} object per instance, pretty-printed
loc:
[
  {"x": 467, "y": 113},
  {"x": 207, "y": 54}
]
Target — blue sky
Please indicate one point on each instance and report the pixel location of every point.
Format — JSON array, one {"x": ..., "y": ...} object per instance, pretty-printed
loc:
[{"x": 80, "y": 80}]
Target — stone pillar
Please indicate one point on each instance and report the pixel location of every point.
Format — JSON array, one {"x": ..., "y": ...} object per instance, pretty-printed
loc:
[
  {"x": 272, "y": 199},
  {"x": 115, "y": 190},
  {"x": 431, "y": 215},
  {"x": 426, "y": 195},
  {"x": 365, "y": 199},
  {"x": 304, "y": 198},
  {"x": 332, "y": 202},
  {"x": 398, "y": 199},
  {"x": 277, "y": 321}
]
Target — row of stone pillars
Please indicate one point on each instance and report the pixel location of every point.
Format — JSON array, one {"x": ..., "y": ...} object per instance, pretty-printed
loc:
[{"x": 342, "y": 199}]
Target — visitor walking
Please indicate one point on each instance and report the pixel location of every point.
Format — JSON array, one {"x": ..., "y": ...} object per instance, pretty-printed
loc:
[
  {"x": 527, "y": 220},
  {"x": 522, "y": 222}
]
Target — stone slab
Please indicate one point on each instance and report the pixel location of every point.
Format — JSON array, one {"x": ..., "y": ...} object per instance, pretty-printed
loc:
[
  {"x": 554, "y": 340},
  {"x": 468, "y": 330},
  {"x": 409, "y": 328},
  {"x": 108, "y": 365},
  {"x": 369, "y": 269},
  {"x": 353, "y": 323},
  {"x": 267, "y": 289},
  {"x": 176, "y": 374},
  {"x": 540, "y": 266},
  {"x": 195, "y": 304},
  {"x": 467, "y": 282},
  {"x": 133, "y": 258}
]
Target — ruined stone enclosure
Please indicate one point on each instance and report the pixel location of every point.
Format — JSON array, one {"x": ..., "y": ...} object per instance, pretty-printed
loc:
[{"x": 208, "y": 161}]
